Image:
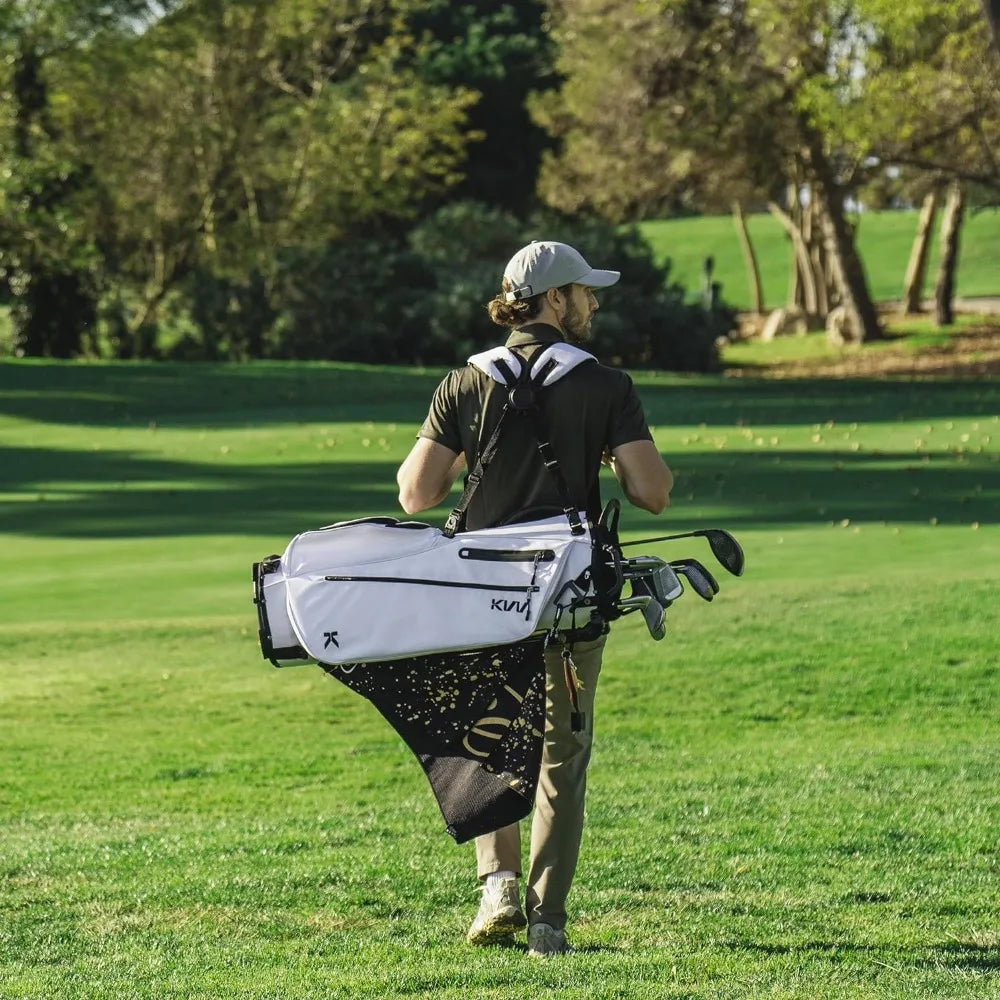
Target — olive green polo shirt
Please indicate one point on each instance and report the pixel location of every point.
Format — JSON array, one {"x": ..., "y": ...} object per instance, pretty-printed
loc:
[{"x": 590, "y": 409}]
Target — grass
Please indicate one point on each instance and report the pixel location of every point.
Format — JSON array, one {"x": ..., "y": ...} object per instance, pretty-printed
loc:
[
  {"x": 793, "y": 796},
  {"x": 912, "y": 335},
  {"x": 884, "y": 240}
]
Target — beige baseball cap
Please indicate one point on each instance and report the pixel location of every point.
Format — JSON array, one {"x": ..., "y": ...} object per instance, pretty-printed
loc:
[{"x": 543, "y": 264}]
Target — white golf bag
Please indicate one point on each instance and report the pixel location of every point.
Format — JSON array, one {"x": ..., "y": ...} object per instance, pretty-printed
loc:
[{"x": 379, "y": 589}]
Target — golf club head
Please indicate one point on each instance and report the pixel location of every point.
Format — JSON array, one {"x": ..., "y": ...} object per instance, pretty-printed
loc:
[
  {"x": 649, "y": 574},
  {"x": 698, "y": 582},
  {"x": 696, "y": 564},
  {"x": 656, "y": 619},
  {"x": 725, "y": 548}
]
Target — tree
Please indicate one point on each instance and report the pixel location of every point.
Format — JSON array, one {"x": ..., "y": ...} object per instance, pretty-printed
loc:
[
  {"x": 951, "y": 225},
  {"x": 47, "y": 254},
  {"x": 766, "y": 92},
  {"x": 249, "y": 128},
  {"x": 503, "y": 53},
  {"x": 916, "y": 269},
  {"x": 203, "y": 143}
]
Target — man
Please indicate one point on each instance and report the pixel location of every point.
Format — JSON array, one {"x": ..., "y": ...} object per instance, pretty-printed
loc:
[{"x": 592, "y": 415}]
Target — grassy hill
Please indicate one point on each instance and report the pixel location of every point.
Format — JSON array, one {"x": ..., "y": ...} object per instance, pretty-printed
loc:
[
  {"x": 884, "y": 240},
  {"x": 791, "y": 796}
]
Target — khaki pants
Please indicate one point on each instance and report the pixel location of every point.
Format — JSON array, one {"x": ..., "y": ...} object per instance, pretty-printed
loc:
[{"x": 557, "y": 824}]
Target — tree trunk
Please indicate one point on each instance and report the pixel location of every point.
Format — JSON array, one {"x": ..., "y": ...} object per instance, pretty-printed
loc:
[
  {"x": 845, "y": 263},
  {"x": 802, "y": 261},
  {"x": 951, "y": 226},
  {"x": 916, "y": 270},
  {"x": 991, "y": 8},
  {"x": 749, "y": 258},
  {"x": 812, "y": 232}
]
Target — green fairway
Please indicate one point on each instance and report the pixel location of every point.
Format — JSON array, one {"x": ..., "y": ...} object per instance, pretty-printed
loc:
[
  {"x": 884, "y": 239},
  {"x": 793, "y": 796}
]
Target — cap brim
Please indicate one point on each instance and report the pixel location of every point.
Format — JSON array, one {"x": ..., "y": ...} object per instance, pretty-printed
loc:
[{"x": 599, "y": 279}]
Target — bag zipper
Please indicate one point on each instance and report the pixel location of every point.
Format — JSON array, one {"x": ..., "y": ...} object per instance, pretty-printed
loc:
[
  {"x": 522, "y": 589},
  {"x": 508, "y": 555}
]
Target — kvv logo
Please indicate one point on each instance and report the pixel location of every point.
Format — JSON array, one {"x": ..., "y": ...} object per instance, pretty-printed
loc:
[{"x": 501, "y": 604}]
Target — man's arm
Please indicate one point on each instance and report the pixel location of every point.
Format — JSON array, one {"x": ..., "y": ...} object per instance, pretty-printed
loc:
[
  {"x": 427, "y": 474},
  {"x": 643, "y": 475}
]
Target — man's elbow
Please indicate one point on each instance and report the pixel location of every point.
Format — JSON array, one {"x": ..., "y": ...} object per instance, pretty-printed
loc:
[
  {"x": 409, "y": 505},
  {"x": 650, "y": 493},
  {"x": 655, "y": 502},
  {"x": 412, "y": 501}
]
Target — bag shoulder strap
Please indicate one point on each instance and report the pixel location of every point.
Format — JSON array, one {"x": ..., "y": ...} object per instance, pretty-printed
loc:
[{"x": 522, "y": 382}]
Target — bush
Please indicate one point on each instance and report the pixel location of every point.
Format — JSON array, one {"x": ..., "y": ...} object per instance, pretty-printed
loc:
[
  {"x": 425, "y": 302},
  {"x": 353, "y": 301},
  {"x": 421, "y": 299}
]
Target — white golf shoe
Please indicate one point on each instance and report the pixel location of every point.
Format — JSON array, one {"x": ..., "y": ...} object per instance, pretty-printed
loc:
[
  {"x": 544, "y": 939},
  {"x": 500, "y": 915}
]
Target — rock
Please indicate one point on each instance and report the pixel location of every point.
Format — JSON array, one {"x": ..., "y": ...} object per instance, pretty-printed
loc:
[
  {"x": 782, "y": 322},
  {"x": 838, "y": 331}
]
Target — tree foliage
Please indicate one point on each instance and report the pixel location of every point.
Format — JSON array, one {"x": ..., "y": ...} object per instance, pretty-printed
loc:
[
  {"x": 226, "y": 132},
  {"x": 227, "y": 167},
  {"x": 503, "y": 53},
  {"x": 742, "y": 98}
]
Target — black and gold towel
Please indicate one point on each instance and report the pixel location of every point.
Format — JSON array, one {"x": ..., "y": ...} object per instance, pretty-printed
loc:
[{"x": 474, "y": 720}]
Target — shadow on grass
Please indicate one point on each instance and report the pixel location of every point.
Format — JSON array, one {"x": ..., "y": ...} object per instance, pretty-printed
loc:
[
  {"x": 221, "y": 395},
  {"x": 121, "y": 495},
  {"x": 954, "y": 954},
  {"x": 964, "y": 955},
  {"x": 77, "y": 493},
  {"x": 216, "y": 395}
]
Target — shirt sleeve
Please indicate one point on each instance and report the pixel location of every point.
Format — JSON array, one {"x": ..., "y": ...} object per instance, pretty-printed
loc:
[
  {"x": 628, "y": 422},
  {"x": 441, "y": 424}
]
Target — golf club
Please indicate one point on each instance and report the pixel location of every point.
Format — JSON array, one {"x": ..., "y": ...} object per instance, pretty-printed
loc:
[
  {"x": 656, "y": 619},
  {"x": 724, "y": 546},
  {"x": 701, "y": 568},
  {"x": 654, "y": 612},
  {"x": 698, "y": 581},
  {"x": 658, "y": 575}
]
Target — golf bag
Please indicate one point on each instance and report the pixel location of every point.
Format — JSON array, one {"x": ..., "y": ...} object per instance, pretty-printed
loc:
[{"x": 378, "y": 589}]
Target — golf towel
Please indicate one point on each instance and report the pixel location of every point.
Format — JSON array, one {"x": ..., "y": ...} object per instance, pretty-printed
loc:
[{"x": 475, "y": 720}]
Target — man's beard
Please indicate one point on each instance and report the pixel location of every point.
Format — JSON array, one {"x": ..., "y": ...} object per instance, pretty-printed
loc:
[{"x": 576, "y": 323}]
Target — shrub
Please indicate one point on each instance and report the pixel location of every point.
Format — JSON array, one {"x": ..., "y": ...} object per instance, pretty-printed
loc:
[
  {"x": 421, "y": 298},
  {"x": 643, "y": 320}
]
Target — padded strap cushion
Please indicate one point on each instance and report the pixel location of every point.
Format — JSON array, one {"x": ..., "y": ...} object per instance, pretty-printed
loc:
[
  {"x": 565, "y": 356},
  {"x": 485, "y": 361}
]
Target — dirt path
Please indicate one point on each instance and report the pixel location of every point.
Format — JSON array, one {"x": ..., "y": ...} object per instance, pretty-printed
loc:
[{"x": 974, "y": 353}]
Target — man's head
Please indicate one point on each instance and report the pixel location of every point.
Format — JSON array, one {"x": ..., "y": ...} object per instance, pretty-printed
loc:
[{"x": 550, "y": 282}]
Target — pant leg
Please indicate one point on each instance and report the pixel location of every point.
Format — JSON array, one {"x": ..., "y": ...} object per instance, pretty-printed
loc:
[
  {"x": 557, "y": 825},
  {"x": 499, "y": 851}
]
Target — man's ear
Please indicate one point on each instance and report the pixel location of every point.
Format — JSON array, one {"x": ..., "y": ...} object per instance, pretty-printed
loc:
[{"x": 555, "y": 298}]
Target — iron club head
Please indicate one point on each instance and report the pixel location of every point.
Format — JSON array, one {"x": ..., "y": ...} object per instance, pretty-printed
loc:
[
  {"x": 700, "y": 568},
  {"x": 656, "y": 619}
]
